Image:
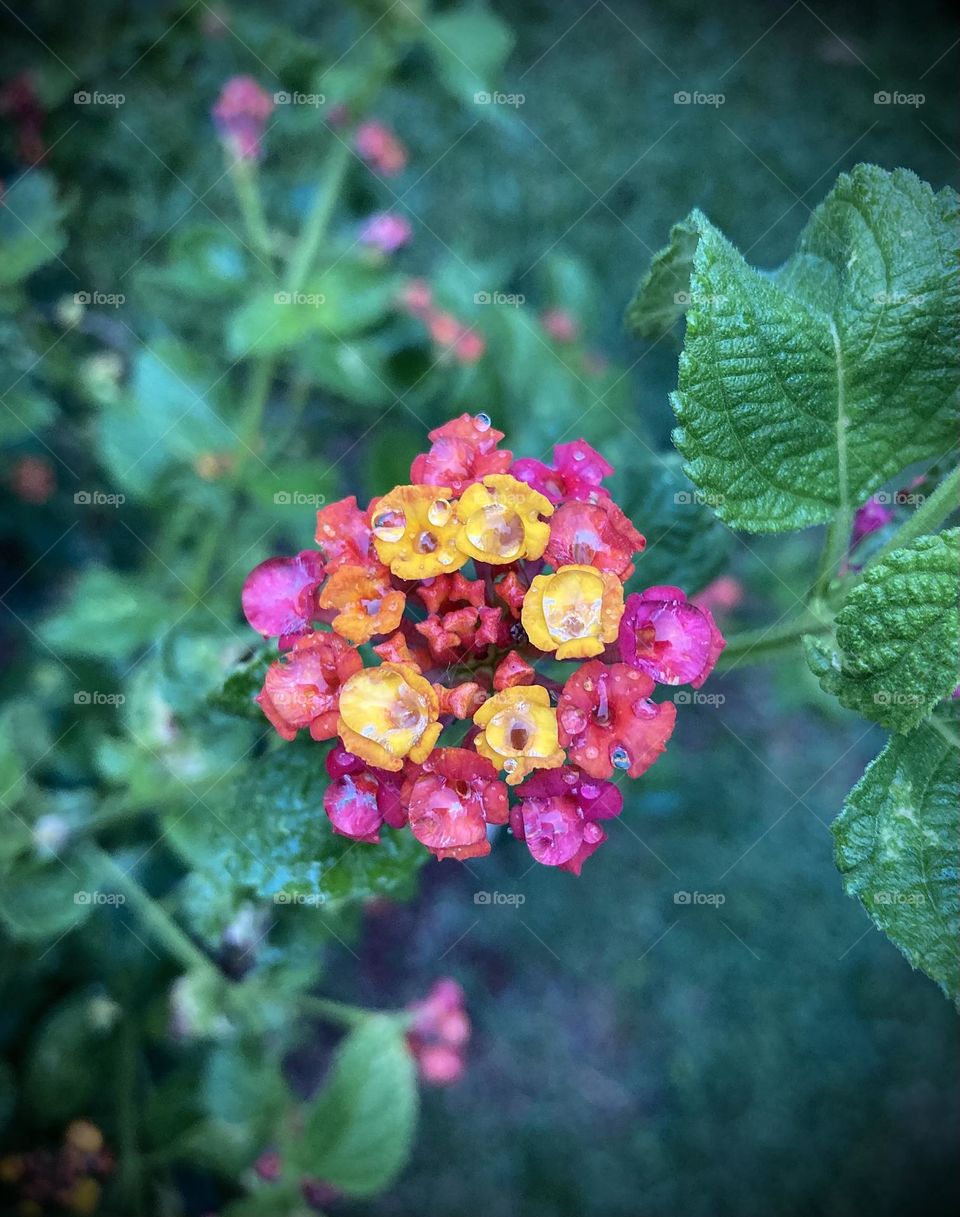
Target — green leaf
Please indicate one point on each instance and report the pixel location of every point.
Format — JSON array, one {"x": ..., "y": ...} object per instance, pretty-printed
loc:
[
  {"x": 41, "y": 901},
  {"x": 663, "y": 294},
  {"x": 355, "y": 370},
  {"x": 469, "y": 48},
  {"x": 897, "y": 635},
  {"x": 31, "y": 231},
  {"x": 896, "y": 845},
  {"x": 265, "y": 835},
  {"x": 243, "y": 684},
  {"x": 68, "y": 1057},
  {"x": 359, "y": 1129},
  {"x": 800, "y": 393},
  {"x": 106, "y": 615},
  {"x": 337, "y": 304}
]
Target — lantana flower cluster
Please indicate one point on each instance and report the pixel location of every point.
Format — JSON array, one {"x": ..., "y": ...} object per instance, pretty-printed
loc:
[{"x": 429, "y": 634}]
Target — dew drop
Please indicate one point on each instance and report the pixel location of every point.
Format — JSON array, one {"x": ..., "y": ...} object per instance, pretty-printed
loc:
[
  {"x": 426, "y": 543},
  {"x": 510, "y": 764},
  {"x": 439, "y": 512},
  {"x": 445, "y": 559},
  {"x": 591, "y": 753},
  {"x": 620, "y": 758},
  {"x": 389, "y": 525},
  {"x": 573, "y": 721},
  {"x": 578, "y": 455},
  {"x": 483, "y": 422},
  {"x": 495, "y": 529}
]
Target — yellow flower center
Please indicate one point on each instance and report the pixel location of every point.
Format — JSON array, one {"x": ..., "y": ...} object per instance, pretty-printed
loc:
[
  {"x": 496, "y": 529},
  {"x": 519, "y": 731},
  {"x": 381, "y": 705},
  {"x": 575, "y": 611},
  {"x": 572, "y": 603}
]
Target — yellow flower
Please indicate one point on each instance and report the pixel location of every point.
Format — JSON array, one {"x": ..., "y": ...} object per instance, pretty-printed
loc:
[
  {"x": 415, "y": 532},
  {"x": 519, "y": 731},
  {"x": 365, "y": 602},
  {"x": 501, "y": 520},
  {"x": 388, "y": 713},
  {"x": 575, "y": 611}
]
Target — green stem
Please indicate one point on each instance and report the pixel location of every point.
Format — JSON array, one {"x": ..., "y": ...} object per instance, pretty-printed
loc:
[
  {"x": 761, "y": 643},
  {"x": 243, "y": 174},
  {"x": 334, "y": 1011},
  {"x": 315, "y": 225},
  {"x": 129, "y": 1161},
  {"x": 836, "y": 548},
  {"x": 160, "y": 924},
  {"x": 928, "y": 516}
]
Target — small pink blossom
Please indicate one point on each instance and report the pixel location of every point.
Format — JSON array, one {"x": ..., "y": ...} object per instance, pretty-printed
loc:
[
  {"x": 439, "y": 1033},
  {"x": 723, "y": 595},
  {"x": 279, "y": 596},
  {"x": 386, "y": 231},
  {"x": 558, "y": 814},
  {"x": 672, "y": 640},
  {"x": 576, "y": 473},
  {"x": 560, "y": 325},
  {"x": 871, "y": 517},
  {"x": 240, "y": 114},
  {"x": 380, "y": 148}
]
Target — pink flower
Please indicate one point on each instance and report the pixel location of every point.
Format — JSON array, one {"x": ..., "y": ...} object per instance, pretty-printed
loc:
[
  {"x": 302, "y": 688},
  {"x": 380, "y": 148},
  {"x": 359, "y": 799},
  {"x": 345, "y": 536},
  {"x": 416, "y": 298},
  {"x": 871, "y": 517},
  {"x": 560, "y": 325},
  {"x": 576, "y": 473},
  {"x": 439, "y": 1033},
  {"x": 721, "y": 596},
  {"x": 558, "y": 814},
  {"x": 606, "y": 720},
  {"x": 451, "y": 802},
  {"x": 240, "y": 115},
  {"x": 593, "y": 534},
  {"x": 279, "y": 596},
  {"x": 462, "y": 451},
  {"x": 668, "y": 637},
  {"x": 386, "y": 231}
]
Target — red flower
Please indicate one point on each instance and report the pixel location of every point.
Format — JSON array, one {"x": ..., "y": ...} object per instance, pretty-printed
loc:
[
  {"x": 463, "y": 451},
  {"x": 345, "y": 536},
  {"x": 301, "y": 689},
  {"x": 439, "y": 1033},
  {"x": 462, "y": 632},
  {"x": 512, "y": 670},
  {"x": 606, "y": 720},
  {"x": 279, "y": 596},
  {"x": 672, "y": 640},
  {"x": 451, "y": 802},
  {"x": 558, "y": 814},
  {"x": 443, "y": 590},
  {"x": 594, "y": 534},
  {"x": 576, "y": 473}
]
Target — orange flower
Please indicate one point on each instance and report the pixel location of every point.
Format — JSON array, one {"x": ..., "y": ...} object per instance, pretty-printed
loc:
[
  {"x": 366, "y": 603},
  {"x": 389, "y": 713},
  {"x": 519, "y": 731},
  {"x": 575, "y": 611},
  {"x": 415, "y": 532},
  {"x": 501, "y": 520}
]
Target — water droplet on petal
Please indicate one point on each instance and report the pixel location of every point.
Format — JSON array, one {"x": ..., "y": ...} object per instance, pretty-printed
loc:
[
  {"x": 389, "y": 525},
  {"x": 483, "y": 422},
  {"x": 572, "y": 720},
  {"x": 591, "y": 753},
  {"x": 496, "y": 530},
  {"x": 426, "y": 542},
  {"x": 510, "y": 764},
  {"x": 439, "y": 512},
  {"x": 578, "y": 455},
  {"x": 445, "y": 559},
  {"x": 620, "y": 758}
]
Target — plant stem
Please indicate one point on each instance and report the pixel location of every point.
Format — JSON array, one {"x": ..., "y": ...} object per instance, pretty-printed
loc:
[
  {"x": 315, "y": 225},
  {"x": 161, "y": 925},
  {"x": 836, "y": 548},
  {"x": 243, "y": 174},
  {"x": 931, "y": 513},
  {"x": 129, "y": 1161},
  {"x": 762, "y": 642},
  {"x": 334, "y": 1011}
]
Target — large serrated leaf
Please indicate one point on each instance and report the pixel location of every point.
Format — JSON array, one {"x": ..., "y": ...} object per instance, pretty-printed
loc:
[
  {"x": 801, "y": 393},
  {"x": 897, "y": 635},
  {"x": 897, "y": 846},
  {"x": 359, "y": 1130},
  {"x": 663, "y": 294}
]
